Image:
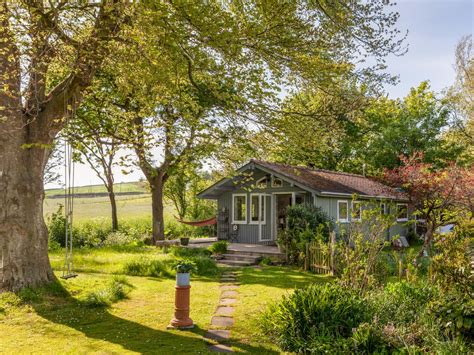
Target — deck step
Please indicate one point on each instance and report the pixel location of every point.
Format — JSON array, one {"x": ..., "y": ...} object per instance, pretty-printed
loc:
[
  {"x": 254, "y": 253},
  {"x": 236, "y": 262},
  {"x": 242, "y": 257}
]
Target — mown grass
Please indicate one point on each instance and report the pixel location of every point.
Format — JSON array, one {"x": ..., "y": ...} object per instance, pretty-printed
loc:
[{"x": 103, "y": 311}]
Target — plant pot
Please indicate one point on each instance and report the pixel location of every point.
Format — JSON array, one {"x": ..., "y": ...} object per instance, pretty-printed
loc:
[
  {"x": 183, "y": 279},
  {"x": 184, "y": 240}
]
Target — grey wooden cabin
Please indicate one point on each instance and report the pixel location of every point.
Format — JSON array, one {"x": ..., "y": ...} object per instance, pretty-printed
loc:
[{"x": 252, "y": 204}]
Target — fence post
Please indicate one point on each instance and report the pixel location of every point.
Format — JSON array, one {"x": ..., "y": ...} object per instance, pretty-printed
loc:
[
  {"x": 306, "y": 257},
  {"x": 332, "y": 248}
]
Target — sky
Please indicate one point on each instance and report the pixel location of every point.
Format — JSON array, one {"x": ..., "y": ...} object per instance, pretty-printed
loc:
[{"x": 434, "y": 28}]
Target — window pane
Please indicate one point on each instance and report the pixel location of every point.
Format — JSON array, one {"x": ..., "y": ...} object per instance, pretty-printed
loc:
[
  {"x": 402, "y": 212},
  {"x": 383, "y": 208},
  {"x": 356, "y": 210},
  {"x": 342, "y": 210},
  {"x": 240, "y": 208},
  {"x": 277, "y": 183},
  {"x": 254, "y": 208},
  {"x": 262, "y": 209}
]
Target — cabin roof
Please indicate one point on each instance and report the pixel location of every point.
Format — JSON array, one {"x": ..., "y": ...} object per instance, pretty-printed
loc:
[{"x": 319, "y": 181}]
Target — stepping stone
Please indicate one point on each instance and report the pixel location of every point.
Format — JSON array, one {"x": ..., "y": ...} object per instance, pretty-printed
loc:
[
  {"x": 229, "y": 287},
  {"x": 217, "y": 334},
  {"x": 228, "y": 278},
  {"x": 227, "y": 301},
  {"x": 229, "y": 294},
  {"x": 218, "y": 321},
  {"x": 224, "y": 311},
  {"x": 219, "y": 348}
]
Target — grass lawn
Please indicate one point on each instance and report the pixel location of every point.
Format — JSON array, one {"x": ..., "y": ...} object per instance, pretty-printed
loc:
[{"x": 58, "y": 320}]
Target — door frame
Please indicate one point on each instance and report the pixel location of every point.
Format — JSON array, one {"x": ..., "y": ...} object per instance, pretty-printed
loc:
[{"x": 274, "y": 210}]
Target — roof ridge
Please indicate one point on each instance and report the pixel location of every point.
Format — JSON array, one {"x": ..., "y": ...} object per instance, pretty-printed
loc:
[{"x": 310, "y": 168}]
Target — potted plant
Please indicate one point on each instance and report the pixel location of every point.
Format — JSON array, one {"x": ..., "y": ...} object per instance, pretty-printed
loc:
[
  {"x": 183, "y": 270},
  {"x": 184, "y": 240}
]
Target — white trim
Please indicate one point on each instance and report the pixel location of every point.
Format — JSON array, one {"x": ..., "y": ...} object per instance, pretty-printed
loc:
[
  {"x": 246, "y": 209},
  {"x": 346, "y": 220},
  {"x": 293, "y": 198},
  {"x": 402, "y": 219},
  {"x": 261, "y": 197},
  {"x": 352, "y": 211}
]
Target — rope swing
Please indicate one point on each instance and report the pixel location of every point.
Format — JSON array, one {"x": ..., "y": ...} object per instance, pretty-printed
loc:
[{"x": 68, "y": 270}]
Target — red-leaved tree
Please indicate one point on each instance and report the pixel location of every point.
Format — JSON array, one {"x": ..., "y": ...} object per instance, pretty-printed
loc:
[{"x": 438, "y": 196}]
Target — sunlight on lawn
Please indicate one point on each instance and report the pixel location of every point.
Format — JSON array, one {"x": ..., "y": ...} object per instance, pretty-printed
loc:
[{"x": 57, "y": 319}]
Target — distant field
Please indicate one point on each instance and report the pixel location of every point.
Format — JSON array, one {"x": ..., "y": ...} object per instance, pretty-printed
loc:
[
  {"x": 129, "y": 207},
  {"x": 122, "y": 187}
]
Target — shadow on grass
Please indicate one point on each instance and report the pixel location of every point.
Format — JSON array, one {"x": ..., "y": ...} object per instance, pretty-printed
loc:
[
  {"x": 55, "y": 304},
  {"x": 280, "y": 276}
]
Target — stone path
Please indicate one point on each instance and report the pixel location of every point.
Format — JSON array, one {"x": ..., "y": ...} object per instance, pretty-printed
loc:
[{"x": 223, "y": 320}]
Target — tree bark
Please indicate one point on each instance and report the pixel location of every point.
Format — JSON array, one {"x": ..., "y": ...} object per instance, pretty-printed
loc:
[
  {"x": 23, "y": 233},
  {"x": 158, "y": 227},
  {"x": 113, "y": 205},
  {"x": 28, "y": 125}
]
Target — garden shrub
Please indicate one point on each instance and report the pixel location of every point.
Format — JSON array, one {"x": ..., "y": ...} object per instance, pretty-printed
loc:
[
  {"x": 454, "y": 314},
  {"x": 299, "y": 321},
  {"x": 145, "y": 266},
  {"x": 306, "y": 223},
  {"x": 57, "y": 229},
  {"x": 401, "y": 302},
  {"x": 219, "y": 247}
]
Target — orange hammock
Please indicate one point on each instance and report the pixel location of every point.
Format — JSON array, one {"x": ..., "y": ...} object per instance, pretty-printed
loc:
[{"x": 203, "y": 223}]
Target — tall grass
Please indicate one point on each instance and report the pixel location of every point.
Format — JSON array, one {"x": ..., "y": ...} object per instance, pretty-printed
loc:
[{"x": 117, "y": 289}]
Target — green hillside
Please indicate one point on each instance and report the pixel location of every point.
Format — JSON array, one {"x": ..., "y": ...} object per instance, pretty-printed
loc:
[{"x": 137, "y": 186}]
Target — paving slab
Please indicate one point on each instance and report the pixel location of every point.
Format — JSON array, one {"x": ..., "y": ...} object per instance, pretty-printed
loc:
[
  {"x": 229, "y": 287},
  {"x": 217, "y": 334},
  {"x": 224, "y": 311},
  {"x": 218, "y": 321},
  {"x": 220, "y": 348},
  {"x": 227, "y": 301},
  {"x": 229, "y": 294},
  {"x": 228, "y": 278}
]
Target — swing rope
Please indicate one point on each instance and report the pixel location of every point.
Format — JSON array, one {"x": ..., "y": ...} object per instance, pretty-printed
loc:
[{"x": 69, "y": 166}]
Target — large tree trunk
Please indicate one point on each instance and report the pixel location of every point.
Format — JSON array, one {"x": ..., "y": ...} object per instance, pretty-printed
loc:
[
  {"x": 158, "y": 228},
  {"x": 23, "y": 233}
]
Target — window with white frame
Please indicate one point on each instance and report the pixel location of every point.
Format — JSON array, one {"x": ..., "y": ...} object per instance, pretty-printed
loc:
[
  {"x": 402, "y": 212},
  {"x": 356, "y": 211},
  {"x": 257, "y": 208},
  {"x": 239, "y": 208},
  {"x": 342, "y": 211},
  {"x": 383, "y": 208},
  {"x": 276, "y": 182}
]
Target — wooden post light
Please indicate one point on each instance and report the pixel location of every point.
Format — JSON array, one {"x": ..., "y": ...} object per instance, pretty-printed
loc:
[{"x": 181, "y": 318}]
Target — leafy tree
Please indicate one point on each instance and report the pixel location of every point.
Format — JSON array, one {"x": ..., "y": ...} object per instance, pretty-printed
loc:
[
  {"x": 49, "y": 52},
  {"x": 319, "y": 128},
  {"x": 438, "y": 196},
  {"x": 211, "y": 71},
  {"x": 460, "y": 97},
  {"x": 403, "y": 127}
]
